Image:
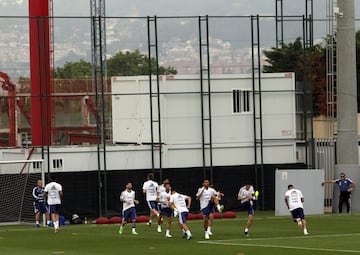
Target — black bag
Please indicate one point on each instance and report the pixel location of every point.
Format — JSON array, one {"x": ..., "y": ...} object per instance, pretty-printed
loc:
[{"x": 75, "y": 219}]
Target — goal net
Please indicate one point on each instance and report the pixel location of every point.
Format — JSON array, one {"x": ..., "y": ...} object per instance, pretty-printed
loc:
[{"x": 17, "y": 180}]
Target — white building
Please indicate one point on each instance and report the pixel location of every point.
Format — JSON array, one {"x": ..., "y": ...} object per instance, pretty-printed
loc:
[
  {"x": 232, "y": 125},
  {"x": 232, "y": 117}
]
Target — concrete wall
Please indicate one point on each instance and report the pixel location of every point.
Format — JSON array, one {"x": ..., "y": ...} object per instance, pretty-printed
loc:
[{"x": 308, "y": 181}]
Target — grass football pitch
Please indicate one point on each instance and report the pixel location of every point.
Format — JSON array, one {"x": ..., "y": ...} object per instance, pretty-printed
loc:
[{"x": 270, "y": 235}]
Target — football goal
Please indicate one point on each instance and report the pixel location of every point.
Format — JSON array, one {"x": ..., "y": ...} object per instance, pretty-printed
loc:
[{"x": 17, "y": 180}]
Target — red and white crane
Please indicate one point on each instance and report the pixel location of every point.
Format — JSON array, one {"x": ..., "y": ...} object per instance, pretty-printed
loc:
[{"x": 10, "y": 88}]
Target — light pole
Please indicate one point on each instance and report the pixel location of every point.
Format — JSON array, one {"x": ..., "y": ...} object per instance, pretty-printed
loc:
[{"x": 347, "y": 140}]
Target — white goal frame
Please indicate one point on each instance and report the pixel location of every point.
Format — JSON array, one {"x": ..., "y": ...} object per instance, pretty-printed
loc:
[{"x": 31, "y": 166}]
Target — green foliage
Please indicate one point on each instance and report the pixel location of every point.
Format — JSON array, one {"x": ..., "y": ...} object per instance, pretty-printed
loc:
[
  {"x": 285, "y": 59},
  {"x": 134, "y": 63},
  {"x": 318, "y": 76},
  {"x": 121, "y": 64},
  {"x": 80, "y": 69},
  {"x": 293, "y": 57},
  {"x": 128, "y": 63}
]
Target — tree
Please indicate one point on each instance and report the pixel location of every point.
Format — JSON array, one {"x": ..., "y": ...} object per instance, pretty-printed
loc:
[
  {"x": 134, "y": 63},
  {"x": 317, "y": 62},
  {"x": 285, "y": 59},
  {"x": 80, "y": 69},
  {"x": 291, "y": 57},
  {"x": 121, "y": 64}
]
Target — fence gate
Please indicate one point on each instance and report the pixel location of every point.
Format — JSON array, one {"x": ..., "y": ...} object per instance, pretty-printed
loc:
[{"x": 325, "y": 156}]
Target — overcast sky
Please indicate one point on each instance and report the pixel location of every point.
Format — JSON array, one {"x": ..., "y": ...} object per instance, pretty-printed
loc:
[{"x": 172, "y": 7}]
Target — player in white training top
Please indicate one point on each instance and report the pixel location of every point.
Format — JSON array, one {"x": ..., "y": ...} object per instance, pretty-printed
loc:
[
  {"x": 129, "y": 211},
  {"x": 294, "y": 200},
  {"x": 208, "y": 201},
  {"x": 150, "y": 189},
  {"x": 246, "y": 195},
  {"x": 53, "y": 192},
  {"x": 164, "y": 208},
  {"x": 162, "y": 186},
  {"x": 178, "y": 202}
]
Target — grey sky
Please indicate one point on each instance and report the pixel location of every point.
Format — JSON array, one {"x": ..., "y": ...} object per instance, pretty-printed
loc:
[
  {"x": 73, "y": 37},
  {"x": 171, "y": 7}
]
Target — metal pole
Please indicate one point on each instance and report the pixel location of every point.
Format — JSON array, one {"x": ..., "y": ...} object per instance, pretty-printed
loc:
[
  {"x": 262, "y": 181},
  {"x": 48, "y": 123},
  {"x": 279, "y": 28},
  {"x": 304, "y": 95},
  {"x": 347, "y": 141},
  {"x": 95, "y": 79},
  {"x": 253, "y": 64},
  {"x": 202, "y": 98},
  {"x": 40, "y": 70},
  {"x": 103, "y": 105},
  {"x": 308, "y": 83},
  {"x": 209, "y": 99},
  {"x": 158, "y": 97},
  {"x": 150, "y": 95}
]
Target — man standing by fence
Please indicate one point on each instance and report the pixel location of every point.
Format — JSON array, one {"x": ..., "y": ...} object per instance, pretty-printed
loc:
[{"x": 346, "y": 185}]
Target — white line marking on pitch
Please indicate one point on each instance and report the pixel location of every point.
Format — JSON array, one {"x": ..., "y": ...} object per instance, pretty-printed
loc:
[
  {"x": 230, "y": 242},
  {"x": 282, "y": 246},
  {"x": 286, "y": 237}
]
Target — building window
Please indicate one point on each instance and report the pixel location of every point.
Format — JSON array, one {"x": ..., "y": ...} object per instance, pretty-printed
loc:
[
  {"x": 241, "y": 101},
  {"x": 37, "y": 165},
  {"x": 57, "y": 164}
]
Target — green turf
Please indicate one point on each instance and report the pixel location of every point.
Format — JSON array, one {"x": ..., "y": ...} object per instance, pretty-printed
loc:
[{"x": 329, "y": 234}]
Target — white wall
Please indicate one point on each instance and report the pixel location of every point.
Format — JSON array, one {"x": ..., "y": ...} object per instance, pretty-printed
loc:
[
  {"x": 84, "y": 158},
  {"x": 232, "y": 134}
]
